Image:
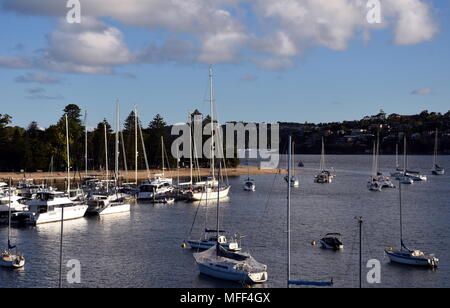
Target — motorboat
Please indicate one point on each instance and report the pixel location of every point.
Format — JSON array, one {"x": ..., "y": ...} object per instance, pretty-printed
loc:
[
  {"x": 50, "y": 206},
  {"x": 332, "y": 241}
]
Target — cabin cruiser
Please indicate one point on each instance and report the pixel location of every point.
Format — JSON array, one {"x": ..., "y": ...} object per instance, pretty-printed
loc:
[
  {"x": 98, "y": 200},
  {"x": 48, "y": 207},
  {"x": 332, "y": 241},
  {"x": 107, "y": 207},
  {"x": 16, "y": 206},
  {"x": 155, "y": 188}
]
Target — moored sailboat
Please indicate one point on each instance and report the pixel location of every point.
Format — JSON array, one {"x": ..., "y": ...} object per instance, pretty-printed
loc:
[
  {"x": 407, "y": 256},
  {"x": 8, "y": 258},
  {"x": 219, "y": 263},
  {"x": 436, "y": 170}
]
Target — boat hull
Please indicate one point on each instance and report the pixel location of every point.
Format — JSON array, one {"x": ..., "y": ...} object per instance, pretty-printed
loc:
[
  {"x": 115, "y": 209},
  {"x": 400, "y": 258},
  {"x": 12, "y": 261},
  {"x": 71, "y": 213},
  {"x": 209, "y": 195},
  {"x": 231, "y": 275}
]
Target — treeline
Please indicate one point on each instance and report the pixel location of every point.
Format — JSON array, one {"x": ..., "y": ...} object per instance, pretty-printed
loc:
[{"x": 33, "y": 149}]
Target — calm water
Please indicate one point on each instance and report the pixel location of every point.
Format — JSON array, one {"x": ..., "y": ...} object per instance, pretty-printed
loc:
[{"x": 143, "y": 248}]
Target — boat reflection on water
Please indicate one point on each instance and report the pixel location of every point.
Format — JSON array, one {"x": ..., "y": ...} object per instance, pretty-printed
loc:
[{"x": 223, "y": 202}]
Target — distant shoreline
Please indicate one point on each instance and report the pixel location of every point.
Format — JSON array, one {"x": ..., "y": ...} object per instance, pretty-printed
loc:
[{"x": 141, "y": 175}]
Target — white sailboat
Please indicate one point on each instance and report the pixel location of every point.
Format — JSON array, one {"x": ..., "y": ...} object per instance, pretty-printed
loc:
[
  {"x": 402, "y": 177},
  {"x": 324, "y": 176},
  {"x": 210, "y": 189},
  {"x": 249, "y": 184},
  {"x": 407, "y": 256},
  {"x": 436, "y": 170},
  {"x": 8, "y": 258},
  {"x": 115, "y": 204},
  {"x": 294, "y": 181},
  {"x": 378, "y": 181},
  {"x": 219, "y": 263}
]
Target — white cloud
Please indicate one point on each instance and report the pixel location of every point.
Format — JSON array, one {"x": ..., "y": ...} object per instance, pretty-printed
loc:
[
  {"x": 423, "y": 91},
  {"x": 216, "y": 31},
  {"x": 38, "y": 77},
  {"x": 14, "y": 62},
  {"x": 274, "y": 64}
]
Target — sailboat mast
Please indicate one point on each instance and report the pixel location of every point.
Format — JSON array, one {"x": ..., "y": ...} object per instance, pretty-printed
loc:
[
  {"x": 9, "y": 215},
  {"x": 135, "y": 145},
  {"x": 117, "y": 145},
  {"x": 190, "y": 150},
  {"x": 288, "y": 214},
  {"x": 218, "y": 204},
  {"x": 396, "y": 156},
  {"x": 162, "y": 155},
  {"x": 405, "y": 167},
  {"x": 212, "y": 120},
  {"x": 435, "y": 148},
  {"x": 68, "y": 156},
  {"x": 106, "y": 159},
  {"x": 401, "y": 214},
  {"x": 62, "y": 207},
  {"x": 85, "y": 144}
]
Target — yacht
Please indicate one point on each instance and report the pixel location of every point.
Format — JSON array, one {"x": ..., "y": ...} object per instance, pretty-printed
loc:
[
  {"x": 113, "y": 207},
  {"x": 50, "y": 206},
  {"x": 407, "y": 256},
  {"x": 233, "y": 266},
  {"x": 155, "y": 188},
  {"x": 324, "y": 176}
]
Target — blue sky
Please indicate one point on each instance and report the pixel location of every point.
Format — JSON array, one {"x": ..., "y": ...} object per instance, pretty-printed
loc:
[{"x": 266, "y": 68}]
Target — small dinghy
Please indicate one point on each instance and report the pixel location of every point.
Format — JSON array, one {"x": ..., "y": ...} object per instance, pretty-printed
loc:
[
  {"x": 332, "y": 241},
  {"x": 249, "y": 185}
]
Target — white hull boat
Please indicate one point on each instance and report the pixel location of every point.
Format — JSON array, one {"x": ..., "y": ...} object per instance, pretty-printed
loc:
[
  {"x": 114, "y": 209},
  {"x": 414, "y": 258},
  {"x": 209, "y": 194},
  {"x": 218, "y": 263},
  {"x": 47, "y": 207}
]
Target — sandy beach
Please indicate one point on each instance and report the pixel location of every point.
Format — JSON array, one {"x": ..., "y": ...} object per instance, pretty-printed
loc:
[{"x": 142, "y": 174}]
